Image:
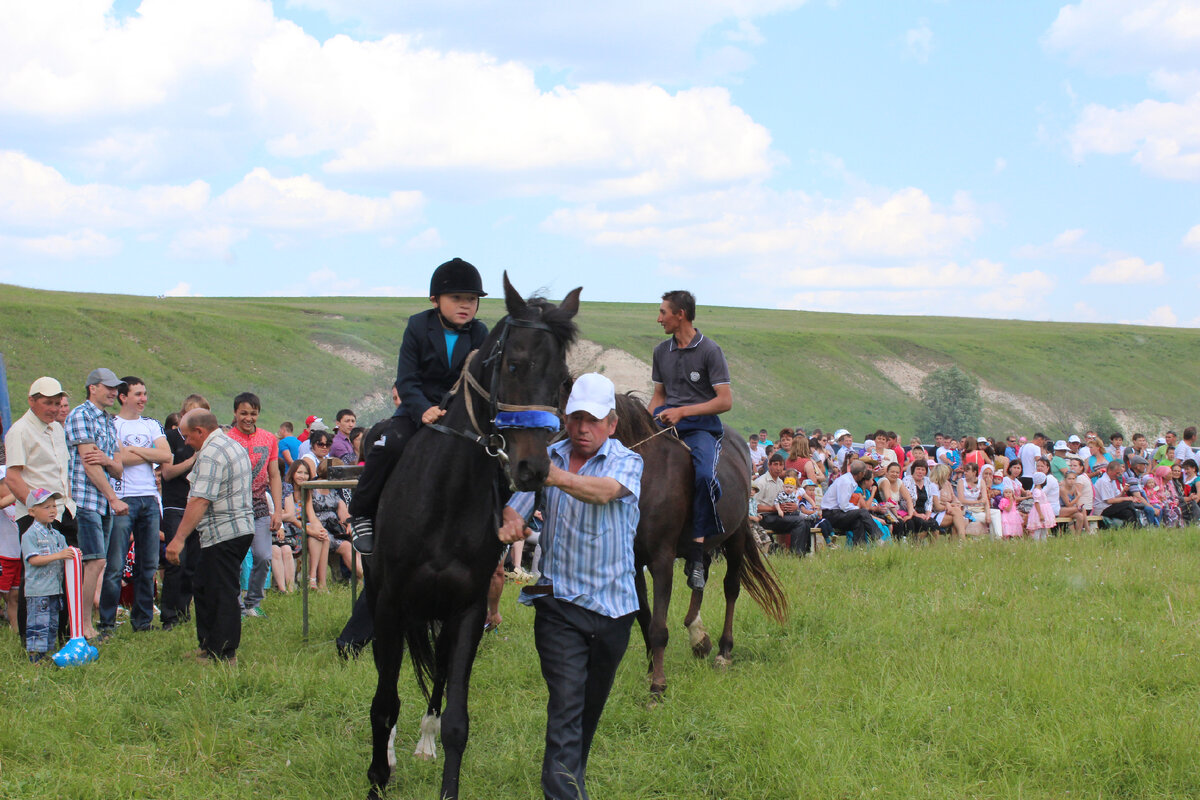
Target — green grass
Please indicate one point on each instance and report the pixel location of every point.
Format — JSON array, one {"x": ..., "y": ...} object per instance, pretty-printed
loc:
[
  {"x": 987, "y": 670},
  {"x": 788, "y": 366}
]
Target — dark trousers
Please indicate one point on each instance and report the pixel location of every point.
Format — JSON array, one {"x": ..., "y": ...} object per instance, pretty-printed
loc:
[
  {"x": 216, "y": 583},
  {"x": 176, "y": 599},
  {"x": 579, "y": 651},
  {"x": 381, "y": 458},
  {"x": 855, "y": 524},
  {"x": 1121, "y": 511},
  {"x": 794, "y": 525}
]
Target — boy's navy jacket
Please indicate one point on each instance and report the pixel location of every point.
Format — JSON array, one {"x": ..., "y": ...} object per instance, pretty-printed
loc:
[{"x": 423, "y": 376}]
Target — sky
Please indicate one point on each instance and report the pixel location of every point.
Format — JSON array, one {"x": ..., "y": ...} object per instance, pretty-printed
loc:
[{"x": 1028, "y": 160}]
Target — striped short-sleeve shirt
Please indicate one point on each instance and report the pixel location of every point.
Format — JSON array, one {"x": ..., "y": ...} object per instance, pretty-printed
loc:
[{"x": 587, "y": 549}]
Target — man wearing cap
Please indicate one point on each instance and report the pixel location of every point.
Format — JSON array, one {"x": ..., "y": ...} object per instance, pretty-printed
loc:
[
  {"x": 219, "y": 505},
  {"x": 1075, "y": 445},
  {"x": 92, "y": 442},
  {"x": 691, "y": 388},
  {"x": 585, "y": 600},
  {"x": 37, "y": 456},
  {"x": 769, "y": 485},
  {"x": 842, "y": 447}
]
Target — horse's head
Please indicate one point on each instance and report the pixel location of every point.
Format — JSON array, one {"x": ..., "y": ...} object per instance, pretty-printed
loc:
[{"x": 528, "y": 373}]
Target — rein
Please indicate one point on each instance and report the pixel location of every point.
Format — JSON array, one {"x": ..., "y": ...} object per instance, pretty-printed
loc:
[{"x": 503, "y": 415}]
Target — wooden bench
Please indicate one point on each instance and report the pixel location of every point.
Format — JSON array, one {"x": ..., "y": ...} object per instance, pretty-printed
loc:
[{"x": 1093, "y": 521}]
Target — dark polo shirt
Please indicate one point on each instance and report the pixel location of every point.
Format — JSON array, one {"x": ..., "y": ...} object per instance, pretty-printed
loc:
[{"x": 688, "y": 374}]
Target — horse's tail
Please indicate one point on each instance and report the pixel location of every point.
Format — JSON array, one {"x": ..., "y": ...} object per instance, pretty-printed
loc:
[
  {"x": 759, "y": 579},
  {"x": 420, "y": 639}
]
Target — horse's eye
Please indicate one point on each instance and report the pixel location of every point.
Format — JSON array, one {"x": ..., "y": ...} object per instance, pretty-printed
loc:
[{"x": 512, "y": 368}]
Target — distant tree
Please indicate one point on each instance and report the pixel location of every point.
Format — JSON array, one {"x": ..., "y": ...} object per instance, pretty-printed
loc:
[
  {"x": 950, "y": 403},
  {"x": 1103, "y": 422}
]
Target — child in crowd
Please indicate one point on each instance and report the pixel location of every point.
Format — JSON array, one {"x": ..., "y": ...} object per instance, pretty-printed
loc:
[
  {"x": 788, "y": 494},
  {"x": 754, "y": 516},
  {"x": 42, "y": 548},
  {"x": 1041, "y": 515},
  {"x": 1155, "y": 501},
  {"x": 1011, "y": 523}
]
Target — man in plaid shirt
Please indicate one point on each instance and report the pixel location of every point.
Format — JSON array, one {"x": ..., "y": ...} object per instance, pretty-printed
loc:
[
  {"x": 93, "y": 448},
  {"x": 220, "y": 506}
]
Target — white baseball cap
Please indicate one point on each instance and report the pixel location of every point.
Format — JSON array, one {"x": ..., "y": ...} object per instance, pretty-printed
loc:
[
  {"x": 1060, "y": 445},
  {"x": 592, "y": 393},
  {"x": 840, "y": 433},
  {"x": 1073, "y": 439},
  {"x": 46, "y": 387}
]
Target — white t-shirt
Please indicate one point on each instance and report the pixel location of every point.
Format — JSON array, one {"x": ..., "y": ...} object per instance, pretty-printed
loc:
[
  {"x": 1183, "y": 451},
  {"x": 137, "y": 479},
  {"x": 10, "y": 538},
  {"x": 1029, "y": 456},
  {"x": 1052, "y": 495}
]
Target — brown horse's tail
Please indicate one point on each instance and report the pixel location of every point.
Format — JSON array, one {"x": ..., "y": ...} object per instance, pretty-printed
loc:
[{"x": 760, "y": 581}]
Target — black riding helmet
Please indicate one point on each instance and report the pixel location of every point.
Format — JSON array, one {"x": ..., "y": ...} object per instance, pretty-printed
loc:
[{"x": 456, "y": 277}]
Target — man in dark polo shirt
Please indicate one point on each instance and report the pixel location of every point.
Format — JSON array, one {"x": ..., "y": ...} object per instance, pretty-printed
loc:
[{"x": 691, "y": 387}]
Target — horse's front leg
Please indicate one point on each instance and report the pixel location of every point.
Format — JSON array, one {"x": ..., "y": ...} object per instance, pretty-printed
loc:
[
  {"x": 463, "y": 641},
  {"x": 697, "y": 634},
  {"x": 662, "y": 573},
  {"x": 388, "y": 650}
]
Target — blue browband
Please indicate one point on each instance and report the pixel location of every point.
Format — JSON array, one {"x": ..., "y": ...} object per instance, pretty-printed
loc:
[{"x": 527, "y": 419}]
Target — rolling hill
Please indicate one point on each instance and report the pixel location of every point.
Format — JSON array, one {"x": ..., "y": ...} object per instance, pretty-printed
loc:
[{"x": 318, "y": 354}]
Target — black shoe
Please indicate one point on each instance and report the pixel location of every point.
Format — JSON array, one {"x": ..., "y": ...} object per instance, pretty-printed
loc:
[
  {"x": 362, "y": 535},
  {"x": 695, "y": 575},
  {"x": 171, "y": 623}
]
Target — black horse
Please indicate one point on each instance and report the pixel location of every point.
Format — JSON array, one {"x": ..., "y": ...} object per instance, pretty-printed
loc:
[
  {"x": 664, "y": 532},
  {"x": 436, "y": 546}
]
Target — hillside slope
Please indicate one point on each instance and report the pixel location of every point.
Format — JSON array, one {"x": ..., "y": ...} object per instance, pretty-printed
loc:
[{"x": 315, "y": 355}]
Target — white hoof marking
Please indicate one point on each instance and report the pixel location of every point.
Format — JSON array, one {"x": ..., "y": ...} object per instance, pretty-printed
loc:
[
  {"x": 392, "y": 749},
  {"x": 431, "y": 728},
  {"x": 696, "y": 631}
]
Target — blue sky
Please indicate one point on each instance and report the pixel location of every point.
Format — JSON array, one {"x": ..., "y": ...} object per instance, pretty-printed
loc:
[{"x": 1033, "y": 160}]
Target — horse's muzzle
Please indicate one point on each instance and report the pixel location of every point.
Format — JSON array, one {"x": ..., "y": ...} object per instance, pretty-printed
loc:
[{"x": 530, "y": 475}]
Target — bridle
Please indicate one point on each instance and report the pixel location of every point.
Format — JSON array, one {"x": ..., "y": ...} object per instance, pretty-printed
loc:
[{"x": 503, "y": 415}]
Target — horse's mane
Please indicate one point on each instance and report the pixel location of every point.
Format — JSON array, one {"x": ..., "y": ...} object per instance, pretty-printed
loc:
[
  {"x": 561, "y": 324},
  {"x": 634, "y": 423}
]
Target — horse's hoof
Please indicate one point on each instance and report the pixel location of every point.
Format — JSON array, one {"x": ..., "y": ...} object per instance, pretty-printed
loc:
[
  {"x": 375, "y": 793},
  {"x": 702, "y": 648},
  {"x": 722, "y": 663}
]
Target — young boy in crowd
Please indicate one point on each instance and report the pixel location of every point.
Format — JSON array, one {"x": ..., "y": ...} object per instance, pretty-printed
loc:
[{"x": 42, "y": 548}]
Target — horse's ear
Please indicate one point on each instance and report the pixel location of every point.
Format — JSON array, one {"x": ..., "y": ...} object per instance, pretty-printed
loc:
[
  {"x": 570, "y": 303},
  {"x": 512, "y": 299}
]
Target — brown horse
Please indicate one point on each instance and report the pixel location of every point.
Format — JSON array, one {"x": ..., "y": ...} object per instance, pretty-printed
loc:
[{"x": 664, "y": 531}]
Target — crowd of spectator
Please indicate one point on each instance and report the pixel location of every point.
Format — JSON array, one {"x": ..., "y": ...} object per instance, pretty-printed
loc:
[
  {"x": 126, "y": 492},
  {"x": 809, "y": 488}
]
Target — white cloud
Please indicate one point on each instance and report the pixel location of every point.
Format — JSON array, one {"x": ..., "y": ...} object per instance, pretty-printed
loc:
[
  {"x": 1192, "y": 239},
  {"x": 72, "y": 59},
  {"x": 753, "y": 223},
  {"x": 425, "y": 240},
  {"x": 85, "y": 243},
  {"x": 918, "y": 42},
  {"x": 1162, "y": 316},
  {"x": 1128, "y": 35},
  {"x": 35, "y": 195},
  {"x": 620, "y": 40},
  {"x": 453, "y": 110},
  {"x": 1127, "y": 270},
  {"x": 1164, "y": 137},
  {"x": 302, "y": 203},
  {"x": 1000, "y": 165},
  {"x": 208, "y": 243},
  {"x": 181, "y": 289},
  {"x": 1070, "y": 242}
]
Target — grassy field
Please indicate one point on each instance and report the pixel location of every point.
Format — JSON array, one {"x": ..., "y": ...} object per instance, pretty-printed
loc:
[
  {"x": 987, "y": 670},
  {"x": 788, "y": 366}
]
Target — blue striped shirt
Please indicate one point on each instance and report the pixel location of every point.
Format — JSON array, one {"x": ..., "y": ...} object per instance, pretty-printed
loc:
[
  {"x": 587, "y": 550},
  {"x": 89, "y": 424}
]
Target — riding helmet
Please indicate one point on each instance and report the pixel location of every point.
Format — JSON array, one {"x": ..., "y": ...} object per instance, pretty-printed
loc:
[{"x": 456, "y": 277}]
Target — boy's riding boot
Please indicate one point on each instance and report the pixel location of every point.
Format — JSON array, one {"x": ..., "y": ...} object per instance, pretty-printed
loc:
[{"x": 362, "y": 535}]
